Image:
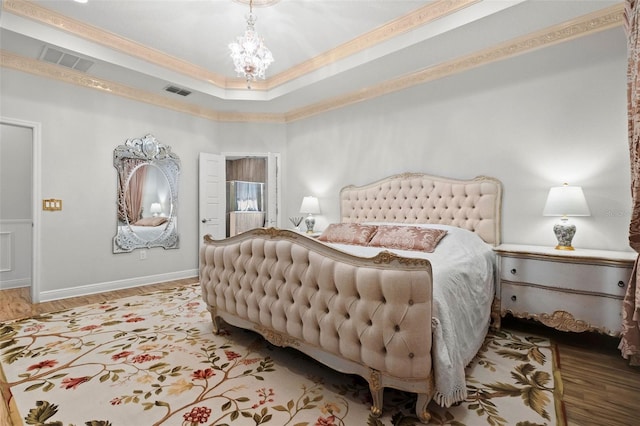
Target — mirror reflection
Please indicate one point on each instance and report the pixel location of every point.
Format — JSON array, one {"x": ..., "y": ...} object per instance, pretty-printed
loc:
[{"x": 147, "y": 195}]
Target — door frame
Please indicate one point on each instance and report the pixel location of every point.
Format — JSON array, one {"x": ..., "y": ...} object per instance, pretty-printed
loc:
[{"x": 36, "y": 191}]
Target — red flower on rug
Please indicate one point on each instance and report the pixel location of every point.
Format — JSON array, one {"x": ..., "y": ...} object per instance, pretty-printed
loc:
[
  {"x": 329, "y": 421},
  {"x": 205, "y": 374},
  {"x": 198, "y": 415},
  {"x": 232, "y": 355},
  {"x": 121, "y": 355},
  {"x": 73, "y": 382},
  {"x": 49, "y": 363},
  {"x": 35, "y": 328},
  {"x": 265, "y": 396},
  {"x": 144, "y": 358}
]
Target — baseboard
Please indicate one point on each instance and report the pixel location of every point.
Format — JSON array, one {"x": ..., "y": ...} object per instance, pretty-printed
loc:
[
  {"x": 47, "y": 296},
  {"x": 18, "y": 283}
]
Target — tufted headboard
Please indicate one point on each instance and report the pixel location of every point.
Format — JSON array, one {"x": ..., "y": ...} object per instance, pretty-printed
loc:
[{"x": 473, "y": 204}]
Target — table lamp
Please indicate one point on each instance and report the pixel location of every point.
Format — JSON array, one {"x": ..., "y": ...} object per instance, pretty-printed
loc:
[
  {"x": 310, "y": 206},
  {"x": 565, "y": 201}
]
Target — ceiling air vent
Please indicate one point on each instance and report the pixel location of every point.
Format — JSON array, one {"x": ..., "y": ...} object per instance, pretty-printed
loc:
[
  {"x": 58, "y": 57},
  {"x": 178, "y": 90}
]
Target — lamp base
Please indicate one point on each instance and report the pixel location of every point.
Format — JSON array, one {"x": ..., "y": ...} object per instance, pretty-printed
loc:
[
  {"x": 310, "y": 221},
  {"x": 564, "y": 233}
]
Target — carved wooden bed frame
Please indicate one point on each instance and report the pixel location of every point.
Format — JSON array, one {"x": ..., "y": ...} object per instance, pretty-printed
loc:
[{"x": 363, "y": 316}]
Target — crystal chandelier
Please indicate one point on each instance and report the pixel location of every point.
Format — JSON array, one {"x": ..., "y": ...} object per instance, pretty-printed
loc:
[{"x": 250, "y": 56}]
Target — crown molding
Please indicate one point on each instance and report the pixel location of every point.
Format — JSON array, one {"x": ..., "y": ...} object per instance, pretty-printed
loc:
[
  {"x": 66, "y": 75},
  {"x": 414, "y": 19},
  {"x": 589, "y": 24},
  {"x": 417, "y": 18}
]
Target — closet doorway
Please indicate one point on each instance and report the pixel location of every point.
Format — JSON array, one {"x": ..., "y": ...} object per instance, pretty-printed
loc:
[
  {"x": 19, "y": 205},
  {"x": 237, "y": 192}
]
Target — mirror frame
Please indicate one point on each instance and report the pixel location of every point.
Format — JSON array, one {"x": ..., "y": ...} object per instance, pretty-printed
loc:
[{"x": 150, "y": 152}]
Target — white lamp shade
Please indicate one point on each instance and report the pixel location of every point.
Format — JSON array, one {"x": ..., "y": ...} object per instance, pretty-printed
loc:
[
  {"x": 566, "y": 201},
  {"x": 310, "y": 205},
  {"x": 155, "y": 208}
]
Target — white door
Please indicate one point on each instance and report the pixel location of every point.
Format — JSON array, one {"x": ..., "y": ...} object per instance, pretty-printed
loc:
[
  {"x": 20, "y": 244},
  {"x": 212, "y": 196},
  {"x": 15, "y": 206}
]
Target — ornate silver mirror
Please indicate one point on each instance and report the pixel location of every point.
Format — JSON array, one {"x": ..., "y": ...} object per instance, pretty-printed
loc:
[{"x": 147, "y": 195}]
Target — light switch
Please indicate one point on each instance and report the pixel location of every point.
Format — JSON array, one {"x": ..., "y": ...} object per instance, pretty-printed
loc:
[{"x": 51, "y": 204}]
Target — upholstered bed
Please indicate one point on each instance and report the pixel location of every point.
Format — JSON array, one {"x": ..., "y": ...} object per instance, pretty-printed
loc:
[{"x": 365, "y": 297}]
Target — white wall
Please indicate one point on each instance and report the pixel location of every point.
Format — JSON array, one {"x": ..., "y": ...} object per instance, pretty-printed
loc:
[
  {"x": 80, "y": 129},
  {"x": 535, "y": 121}
]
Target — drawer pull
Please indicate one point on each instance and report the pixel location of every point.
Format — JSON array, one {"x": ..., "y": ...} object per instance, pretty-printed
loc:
[
  {"x": 513, "y": 271},
  {"x": 514, "y": 298},
  {"x": 620, "y": 284}
]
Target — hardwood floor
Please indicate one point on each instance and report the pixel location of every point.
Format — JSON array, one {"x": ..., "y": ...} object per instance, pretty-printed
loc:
[
  {"x": 16, "y": 303},
  {"x": 600, "y": 388}
]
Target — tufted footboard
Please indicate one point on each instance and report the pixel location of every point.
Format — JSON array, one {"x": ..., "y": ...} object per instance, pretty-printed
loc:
[{"x": 370, "y": 317}]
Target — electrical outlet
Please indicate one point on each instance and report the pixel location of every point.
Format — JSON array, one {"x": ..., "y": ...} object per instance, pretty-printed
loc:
[{"x": 143, "y": 254}]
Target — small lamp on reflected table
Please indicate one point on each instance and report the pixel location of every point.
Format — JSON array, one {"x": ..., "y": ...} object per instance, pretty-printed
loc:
[
  {"x": 155, "y": 209},
  {"x": 565, "y": 201}
]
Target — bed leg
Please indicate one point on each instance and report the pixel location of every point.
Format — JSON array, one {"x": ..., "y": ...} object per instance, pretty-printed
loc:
[
  {"x": 421, "y": 407},
  {"x": 377, "y": 392},
  {"x": 495, "y": 314},
  {"x": 214, "y": 319}
]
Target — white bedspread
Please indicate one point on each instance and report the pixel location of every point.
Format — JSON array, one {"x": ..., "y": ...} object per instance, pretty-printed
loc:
[
  {"x": 147, "y": 233},
  {"x": 463, "y": 290}
]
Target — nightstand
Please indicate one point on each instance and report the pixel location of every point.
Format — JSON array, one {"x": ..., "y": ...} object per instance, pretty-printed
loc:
[
  {"x": 310, "y": 234},
  {"x": 578, "y": 290}
]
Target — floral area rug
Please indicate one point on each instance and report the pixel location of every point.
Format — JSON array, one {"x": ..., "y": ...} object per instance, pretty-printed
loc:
[{"x": 153, "y": 360}]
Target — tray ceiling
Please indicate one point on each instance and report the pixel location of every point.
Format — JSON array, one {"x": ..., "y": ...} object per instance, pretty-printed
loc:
[{"x": 327, "y": 53}]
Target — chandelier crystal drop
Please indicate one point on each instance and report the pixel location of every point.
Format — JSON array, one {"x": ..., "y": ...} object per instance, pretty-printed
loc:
[{"x": 250, "y": 56}]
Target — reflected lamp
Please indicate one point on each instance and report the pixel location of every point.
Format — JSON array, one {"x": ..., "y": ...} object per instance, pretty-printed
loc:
[
  {"x": 565, "y": 201},
  {"x": 155, "y": 209},
  {"x": 310, "y": 206}
]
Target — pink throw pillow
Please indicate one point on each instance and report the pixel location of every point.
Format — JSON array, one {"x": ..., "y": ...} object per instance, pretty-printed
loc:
[
  {"x": 348, "y": 233},
  {"x": 407, "y": 238}
]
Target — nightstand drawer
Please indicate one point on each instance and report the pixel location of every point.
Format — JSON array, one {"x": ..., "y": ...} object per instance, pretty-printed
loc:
[
  {"x": 574, "y": 311},
  {"x": 585, "y": 277}
]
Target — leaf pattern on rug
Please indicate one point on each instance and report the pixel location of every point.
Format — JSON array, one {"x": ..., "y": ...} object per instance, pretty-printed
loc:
[{"x": 154, "y": 360}]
